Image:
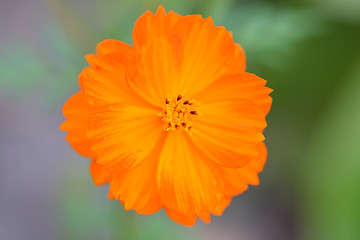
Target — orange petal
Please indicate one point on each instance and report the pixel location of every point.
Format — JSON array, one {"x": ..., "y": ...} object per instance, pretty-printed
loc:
[
  {"x": 150, "y": 26},
  {"x": 105, "y": 81},
  {"x": 159, "y": 68},
  {"x": 187, "y": 182},
  {"x": 227, "y": 132},
  {"x": 208, "y": 52},
  {"x": 77, "y": 111},
  {"x": 238, "y": 179},
  {"x": 110, "y": 195},
  {"x": 235, "y": 182},
  {"x": 123, "y": 135},
  {"x": 110, "y": 46},
  {"x": 219, "y": 209},
  {"x": 239, "y": 63},
  {"x": 204, "y": 215},
  {"x": 125, "y": 53},
  {"x": 136, "y": 188},
  {"x": 240, "y": 86},
  {"x": 188, "y": 219},
  {"x": 99, "y": 175}
]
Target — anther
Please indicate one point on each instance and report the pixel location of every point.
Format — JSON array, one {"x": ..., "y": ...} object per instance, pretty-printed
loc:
[
  {"x": 177, "y": 113},
  {"x": 168, "y": 127}
]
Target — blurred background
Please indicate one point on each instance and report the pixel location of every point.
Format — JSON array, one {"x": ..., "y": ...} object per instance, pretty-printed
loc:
[{"x": 309, "y": 51}]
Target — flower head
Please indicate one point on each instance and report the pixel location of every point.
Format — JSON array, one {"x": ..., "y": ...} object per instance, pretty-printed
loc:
[{"x": 172, "y": 122}]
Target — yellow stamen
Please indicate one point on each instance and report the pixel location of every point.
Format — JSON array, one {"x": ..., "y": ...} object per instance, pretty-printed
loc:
[{"x": 177, "y": 113}]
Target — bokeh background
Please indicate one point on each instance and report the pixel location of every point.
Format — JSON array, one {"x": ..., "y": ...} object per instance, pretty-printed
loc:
[{"x": 309, "y": 51}]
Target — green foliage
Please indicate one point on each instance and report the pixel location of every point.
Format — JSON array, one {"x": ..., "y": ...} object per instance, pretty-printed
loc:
[
  {"x": 271, "y": 34},
  {"x": 330, "y": 169}
]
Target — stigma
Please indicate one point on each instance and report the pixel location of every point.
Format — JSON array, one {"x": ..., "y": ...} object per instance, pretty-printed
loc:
[{"x": 178, "y": 112}]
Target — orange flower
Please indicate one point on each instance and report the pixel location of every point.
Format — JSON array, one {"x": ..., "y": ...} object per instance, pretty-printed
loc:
[{"x": 174, "y": 122}]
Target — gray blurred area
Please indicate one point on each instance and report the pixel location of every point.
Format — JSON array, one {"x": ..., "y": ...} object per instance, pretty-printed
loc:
[{"x": 308, "y": 51}]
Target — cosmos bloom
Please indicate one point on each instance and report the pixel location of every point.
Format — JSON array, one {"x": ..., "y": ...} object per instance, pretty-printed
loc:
[{"x": 172, "y": 122}]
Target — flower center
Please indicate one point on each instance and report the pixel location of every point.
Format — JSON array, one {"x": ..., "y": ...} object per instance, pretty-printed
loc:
[{"x": 177, "y": 113}]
